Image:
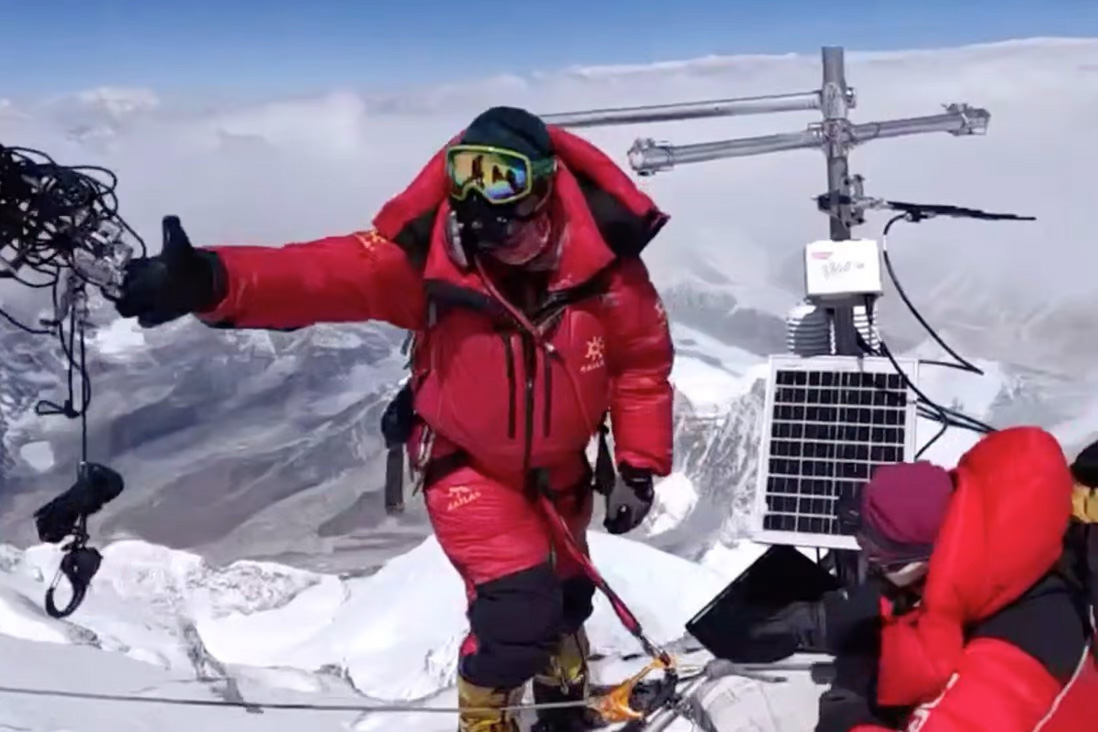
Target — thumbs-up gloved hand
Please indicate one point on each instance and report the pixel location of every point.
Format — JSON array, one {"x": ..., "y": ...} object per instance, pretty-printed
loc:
[{"x": 178, "y": 281}]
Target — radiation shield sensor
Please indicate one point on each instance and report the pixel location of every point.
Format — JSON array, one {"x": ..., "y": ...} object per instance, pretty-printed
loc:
[{"x": 842, "y": 270}]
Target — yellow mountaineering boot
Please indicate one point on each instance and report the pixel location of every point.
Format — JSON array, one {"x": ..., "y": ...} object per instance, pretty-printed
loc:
[
  {"x": 566, "y": 679},
  {"x": 482, "y": 708}
]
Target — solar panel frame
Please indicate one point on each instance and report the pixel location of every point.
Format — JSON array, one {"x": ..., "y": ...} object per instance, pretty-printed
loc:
[{"x": 828, "y": 537}]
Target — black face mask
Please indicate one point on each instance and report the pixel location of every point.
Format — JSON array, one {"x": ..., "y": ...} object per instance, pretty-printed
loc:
[{"x": 484, "y": 226}]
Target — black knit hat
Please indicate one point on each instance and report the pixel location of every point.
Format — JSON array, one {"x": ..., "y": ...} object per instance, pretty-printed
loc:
[
  {"x": 510, "y": 128},
  {"x": 1085, "y": 467}
]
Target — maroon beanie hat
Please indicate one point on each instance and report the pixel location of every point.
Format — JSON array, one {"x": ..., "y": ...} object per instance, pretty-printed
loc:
[{"x": 903, "y": 507}]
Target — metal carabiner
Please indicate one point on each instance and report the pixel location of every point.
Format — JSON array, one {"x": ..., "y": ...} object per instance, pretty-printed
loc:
[
  {"x": 78, "y": 565},
  {"x": 618, "y": 704}
]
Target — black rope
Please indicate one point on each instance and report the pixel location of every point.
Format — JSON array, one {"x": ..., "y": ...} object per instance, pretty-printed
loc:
[
  {"x": 284, "y": 706},
  {"x": 287, "y": 706},
  {"x": 643, "y": 688}
]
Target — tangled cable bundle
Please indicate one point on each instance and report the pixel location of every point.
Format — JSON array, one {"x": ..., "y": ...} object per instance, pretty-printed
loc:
[
  {"x": 60, "y": 229},
  {"x": 54, "y": 217}
]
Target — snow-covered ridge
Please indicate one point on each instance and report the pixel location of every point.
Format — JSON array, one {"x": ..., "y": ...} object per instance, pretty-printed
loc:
[
  {"x": 159, "y": 622},
  {"x": 393, "y": 635}
]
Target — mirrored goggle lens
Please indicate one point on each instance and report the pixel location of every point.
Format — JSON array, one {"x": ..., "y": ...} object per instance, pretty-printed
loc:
[{"x": 501, "y": 177}]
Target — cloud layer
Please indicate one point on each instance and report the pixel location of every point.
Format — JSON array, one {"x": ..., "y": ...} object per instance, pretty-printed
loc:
[{"x": 294, "y": 169}]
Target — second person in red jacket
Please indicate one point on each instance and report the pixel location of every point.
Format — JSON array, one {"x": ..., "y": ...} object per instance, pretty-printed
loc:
[
  {"x": 987, "y": 626},
  {"x": 514, "y": 258}
]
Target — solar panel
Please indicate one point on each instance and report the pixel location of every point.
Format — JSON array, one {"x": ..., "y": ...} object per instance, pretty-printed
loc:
[{"x": 829, "y": 421}]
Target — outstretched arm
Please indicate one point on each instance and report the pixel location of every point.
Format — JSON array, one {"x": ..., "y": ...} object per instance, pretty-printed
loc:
[
  {"x": 355, "y": 277},
  {"x": 639, "y": 356}
]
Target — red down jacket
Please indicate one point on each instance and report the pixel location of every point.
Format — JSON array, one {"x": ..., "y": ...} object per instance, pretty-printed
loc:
[
  {"x": 511, "y": 391},
  {"x": 1002, "y": 534}
]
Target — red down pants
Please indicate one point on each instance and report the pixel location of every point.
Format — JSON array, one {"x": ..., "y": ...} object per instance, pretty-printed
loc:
[{"x": 523, "y": 589}]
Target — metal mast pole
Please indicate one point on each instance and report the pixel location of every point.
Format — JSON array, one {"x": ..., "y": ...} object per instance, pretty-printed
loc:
[{"x": 836, "y": 139}]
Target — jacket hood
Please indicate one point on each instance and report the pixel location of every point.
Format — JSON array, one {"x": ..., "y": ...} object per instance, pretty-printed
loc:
[{"x": 606, "y": 216}]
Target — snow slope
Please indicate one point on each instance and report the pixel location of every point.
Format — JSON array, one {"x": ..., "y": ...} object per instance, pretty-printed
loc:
[
  {"x": 411, "y": 612},
  {"x": 167, "y": 623}
]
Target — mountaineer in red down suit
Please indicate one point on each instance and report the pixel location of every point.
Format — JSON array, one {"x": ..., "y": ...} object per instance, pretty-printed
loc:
[
  {"x": 984, "y": 628},
  {"x": 513, "y": 257}
]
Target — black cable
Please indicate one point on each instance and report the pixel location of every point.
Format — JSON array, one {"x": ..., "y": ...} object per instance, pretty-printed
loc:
[
  {"x": 962, "y": 363},
  {"x": 85, "y": 401},
  {"x": 942, "y": 414},
  {"x": 937, "y": 436},
  {"x": 22, "y": 326},
  {"x": 946, "y": 417},
  {"x": 944, "y": 364},
  {"x": 960, "y": 419}
]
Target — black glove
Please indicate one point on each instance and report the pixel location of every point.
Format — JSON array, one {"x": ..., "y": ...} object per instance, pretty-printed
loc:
[
  {"x": 629, "y": 500},
  {"x": 799, "y": 626},
  {"x": 841, "y": 710},
  {"x": 853, "y": 620},
  {"x": 178, "y": 281},
  {"x": 96, "y": 485}
]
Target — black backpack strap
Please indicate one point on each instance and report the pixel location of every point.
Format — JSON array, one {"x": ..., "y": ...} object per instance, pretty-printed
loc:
[
  {"x": 605, "y": 475},
  {"x": 396, "y": 427},
  {"x": 399, "y": 418},
  {"x": 1090, "y": 549},
  {"x": 1079, "y": 565}
]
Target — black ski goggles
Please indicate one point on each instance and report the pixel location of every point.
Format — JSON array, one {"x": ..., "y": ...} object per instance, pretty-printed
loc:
[{"x": 500, "y": 176}]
